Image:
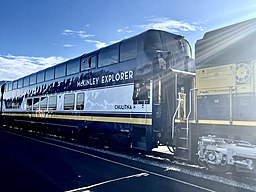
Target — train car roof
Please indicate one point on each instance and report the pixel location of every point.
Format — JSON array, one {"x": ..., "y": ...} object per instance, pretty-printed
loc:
[
  {"x": 231, "y": 44},
  {"x": 2, "y": 82},
  {"x": 242, "y": 26},
  {"x": 145, "y": 33}
]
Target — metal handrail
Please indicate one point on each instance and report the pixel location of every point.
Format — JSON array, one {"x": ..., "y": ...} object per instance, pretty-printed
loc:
[
  {"x": 190, "y": 106},
  {"x": 174, "y": 115}
]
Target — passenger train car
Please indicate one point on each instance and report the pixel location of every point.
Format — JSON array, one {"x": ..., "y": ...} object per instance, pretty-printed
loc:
[
  {"x": 147, "y": 91},
  {"x": 122, "y": 95}
]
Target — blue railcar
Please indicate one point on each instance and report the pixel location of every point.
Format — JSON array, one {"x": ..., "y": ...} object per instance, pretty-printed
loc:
[
  {"x": 124, "y": 94},
  {"x": 142, "y": 92}
]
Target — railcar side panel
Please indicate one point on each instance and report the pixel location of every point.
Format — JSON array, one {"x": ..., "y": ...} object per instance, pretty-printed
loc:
[{"x": 123, "y": 92}]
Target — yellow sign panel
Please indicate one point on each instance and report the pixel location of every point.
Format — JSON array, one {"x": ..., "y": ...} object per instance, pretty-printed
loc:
[{"x": 226, "y": 79}]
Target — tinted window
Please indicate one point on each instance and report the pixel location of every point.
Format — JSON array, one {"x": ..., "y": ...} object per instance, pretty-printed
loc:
[
  {"x": 36, "y": 104},
  {"x": 152, "y": 43},
  {"x": 9, "y": 86},
  {"x": 141, "y": 92},
  {"x": 40, "y": 76},
  {"x": 43, "y": 103},
  {"x": 128, "y": 49},
  {"x": 32, "y": 79},
  {"x": 26, "y": 81},
  {"x": 20, "y": 83},
  {"x": 15, "y": 85},
  {"x": 60, "y": 70},
  {"x": 88, "y": 62},
  {"x": 69, "y": 102},
  {"x": 49, "y": 74},
  {"x": 108, "y": 55},
  {"x": 6, "y": 88},
  {"x": 29, "y": 104},
  {"x": 170, "y": 41},
  {"x": 15, "y": 104},
  {"x": 52, "y": 103},
  {"x": 80, "y": 101},
  {"x": 73, "y": 66}
]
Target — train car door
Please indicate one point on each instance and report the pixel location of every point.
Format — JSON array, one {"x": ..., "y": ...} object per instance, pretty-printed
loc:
[{"x": 141, "y": 131}]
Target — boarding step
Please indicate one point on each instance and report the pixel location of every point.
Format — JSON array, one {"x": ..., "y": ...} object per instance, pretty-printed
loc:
[
  {"x": 182, "y": 143},
  {"x": 182, "y": 153},
  {"x": 141, "y": 143},
  {"x": 183, "y": 132}
]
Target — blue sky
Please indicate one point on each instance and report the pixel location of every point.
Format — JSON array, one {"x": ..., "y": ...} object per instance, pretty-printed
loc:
[{"x": 38, "y": 34}]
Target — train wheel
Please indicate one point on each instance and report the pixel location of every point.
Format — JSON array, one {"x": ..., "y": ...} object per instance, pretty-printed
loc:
[
  {"x": 84, "y": 136},
  {"x": 217, "y": 162},
  {"x": 120, "y": 142}
]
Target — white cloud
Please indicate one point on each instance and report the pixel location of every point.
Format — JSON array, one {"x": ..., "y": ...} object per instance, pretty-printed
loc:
[
  {"x": 98, "y": 44},
  {"x": 163, "y": 23},
  {"x": 126, "y": 29},
  {"x": 68, "y": 45},
  {"x": 167, "y": 24},
  {"x": 160, "y": 23},
  {"x": 116, "y": 41},
  {"x": 87, "y": 38},
  {"x": 73, "y": 33},
  {"x": 14, "y": 67}
]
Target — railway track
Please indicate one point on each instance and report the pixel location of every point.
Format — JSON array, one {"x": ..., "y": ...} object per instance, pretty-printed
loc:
[{"x": 154, "y": 158}]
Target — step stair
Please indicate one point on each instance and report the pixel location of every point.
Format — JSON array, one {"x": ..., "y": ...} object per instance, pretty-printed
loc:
[
  {"x": 183, "y": 148},
  {"x": 141, "y": 144}
]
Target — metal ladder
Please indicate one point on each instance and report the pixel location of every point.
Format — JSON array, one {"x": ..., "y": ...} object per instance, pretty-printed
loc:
[
  {"x": 183, "y": 147},
  {"x": 181, "y": 133}
]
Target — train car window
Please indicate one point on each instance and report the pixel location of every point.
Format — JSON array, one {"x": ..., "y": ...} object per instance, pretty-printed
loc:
[
  {"x": 158, "y": 91},
  {"x": 40, "y": 76},
  {"x": 60, "y": 70},
  {"x": 26, "y": 81},
  {"x": 32, "y": 79},
  {"x": 43, "y": 103},
  {"x": 128, "y": 49},
  {"x": 69, "y": 102},
  {"x": 15, "y": 104},
  {"x": 36, "y": 104},
  {"x": 20, "y": 83},
  {"x": 73, "y": 66},
  {"x": 171, "y": 41},
  {"x": 15, "y": 85},
  {"x": 141, "y": 92},
  {"x": 108, "y": 55},
  {"x": 152, "y": 43},
  {"x": 80, "y": 101},
  {"x": 88, "y": 62},
  {"x": 6, "y": 87},
  {"x": 10, "y": 86},
  {"x": 49, "y": 74},
  {"x": 29, "y": 104},
  {"x": 52, "y": 103}
]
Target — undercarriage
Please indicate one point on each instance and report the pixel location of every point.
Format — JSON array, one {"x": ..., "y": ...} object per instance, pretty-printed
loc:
[{"x": 223, "y": 154}]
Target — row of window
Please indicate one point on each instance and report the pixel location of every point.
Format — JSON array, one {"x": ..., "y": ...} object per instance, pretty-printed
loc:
[
  {"x": 50, "y": 103},
  {"x": 67, "y": 68},
  {"x": 106, "y": 56}
]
